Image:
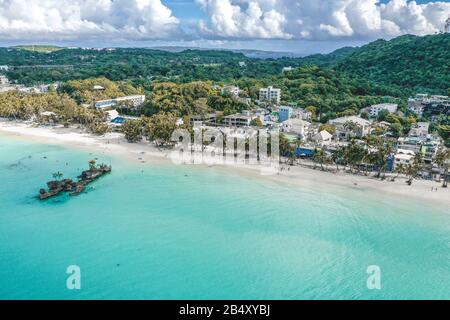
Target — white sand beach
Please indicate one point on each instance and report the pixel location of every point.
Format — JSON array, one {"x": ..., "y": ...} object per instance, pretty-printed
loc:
[{"x": 147, "y": 153}]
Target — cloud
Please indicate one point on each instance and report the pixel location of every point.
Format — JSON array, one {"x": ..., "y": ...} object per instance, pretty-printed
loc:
[
  {"x": 319, "y": 19},
  {"x": 86, "y": 19}
]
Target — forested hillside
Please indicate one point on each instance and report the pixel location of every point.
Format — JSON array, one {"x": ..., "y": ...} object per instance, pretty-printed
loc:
[
  {"x": 420, "y": 64},
  {"x": 399, "y": 67}
]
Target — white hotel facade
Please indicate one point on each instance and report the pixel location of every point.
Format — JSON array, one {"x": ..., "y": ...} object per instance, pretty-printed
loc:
[{"x": 135, "y": 101}]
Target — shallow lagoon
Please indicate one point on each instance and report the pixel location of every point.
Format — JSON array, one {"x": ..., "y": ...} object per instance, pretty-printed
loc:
[{"x": 182, "y": 232}]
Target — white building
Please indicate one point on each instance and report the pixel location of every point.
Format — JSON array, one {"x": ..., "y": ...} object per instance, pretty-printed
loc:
[
  {"x": 270, "y": 94},
  {"x": 419, "y": 129},
  {"x": 323, "y": 138},
  {"x": 112, "y": 114},
  {"x": 363, "y": 127},
  {"x": 243, "y": 119},
  {"x": 302, "y": 114},
  {"x": 403, "y": 157},
  {"x": 4, "y": 68},
  {"x": 233, "y": 90},
  {"x": 134, "y": 101},
  {"x": 375, "y": 109},
  {"x": 287, "y": 69},
  {"x": 296, "y": 126}
]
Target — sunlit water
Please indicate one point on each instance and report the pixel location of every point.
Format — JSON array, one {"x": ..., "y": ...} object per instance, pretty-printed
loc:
[{"x": 183, "y": 232}]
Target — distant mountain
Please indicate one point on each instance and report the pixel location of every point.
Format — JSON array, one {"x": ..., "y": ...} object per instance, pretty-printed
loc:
[
  {"x": 256, "y": 54},
  {"x": 420, "y": 64}
]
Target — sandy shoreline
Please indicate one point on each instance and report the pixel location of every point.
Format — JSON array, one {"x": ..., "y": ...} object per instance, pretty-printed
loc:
[{"x": 115, "y": 144}]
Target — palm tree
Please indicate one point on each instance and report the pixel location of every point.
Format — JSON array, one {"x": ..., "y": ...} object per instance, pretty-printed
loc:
[
  {"x": 442, "y": 159},
  {"x": 298, "y": 141},
  {"x": 352, "y": 127},
  {"x": 321, "y": 157},
  {"x": 338, "y": 156},
  {"x": 414, "y": 168},
  {"x": 400, "y": 169},
  {"x": 57, "y": 176},
  {"x": 93, "y": 165}
]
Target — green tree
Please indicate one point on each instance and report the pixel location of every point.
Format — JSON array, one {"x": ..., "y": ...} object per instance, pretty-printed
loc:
[
  {"x": 160, "y": 127},
  {"x": 132, "y": 129}
]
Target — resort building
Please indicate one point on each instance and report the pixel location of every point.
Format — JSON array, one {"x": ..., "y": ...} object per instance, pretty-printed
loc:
[
  {"x": 375, "y": 109},
  {"x": 112, "y": 115},
  {"x": 129, "y": 101},
  {"x": 270, "y": 94},
  {"x": 403, "y": 157},
  {"x": 344, "y": 130},
  {"x": 207, "y": 119},
  {"x": 323, "y": 138},
  {"x": 243, "y": 119},
  {"x": 409, "y": 143},
  {"x": 296, "y": 126},
  {"x": 284, "y": 113},
  {"x": 429, "y": 148}
]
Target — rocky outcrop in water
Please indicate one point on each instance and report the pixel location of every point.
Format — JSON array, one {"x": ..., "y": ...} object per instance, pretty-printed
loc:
[{"x": 57, "y": 187}]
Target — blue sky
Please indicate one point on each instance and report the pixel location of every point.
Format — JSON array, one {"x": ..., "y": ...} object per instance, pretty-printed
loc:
[{"x": 301, "y": 26}]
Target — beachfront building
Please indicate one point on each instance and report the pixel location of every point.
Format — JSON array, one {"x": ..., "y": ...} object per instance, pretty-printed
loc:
[
  {"x": 403, "y": 157},
  {"x": 111, "y": 115},
  {"x": 351, "y": 126},
  {"x": 323, "y": 138},
  {"x": 409, "y": 143},
  {"x": 270, "y": 94},
  {"x": 429, "y": 148},
  {"x": 4, "y": 68},
  {"x": 207, "y": 119},
  {"x": 243, "y": 119},
  {"x": 284, "y": 113},
  {"x": 296, "y": 126},
  {"x": 377, "y": 108},
  {"x": 427, "y": 145},
  {"x": 130, "y": 101}
]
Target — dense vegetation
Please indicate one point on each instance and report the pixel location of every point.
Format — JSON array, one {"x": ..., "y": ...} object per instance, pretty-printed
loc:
[
  {"x": 417, "y": 64},
  {"x": 401, "y": 66}
]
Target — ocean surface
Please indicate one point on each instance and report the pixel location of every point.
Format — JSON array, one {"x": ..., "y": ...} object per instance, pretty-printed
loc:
[{"x": 184, "y": 232}]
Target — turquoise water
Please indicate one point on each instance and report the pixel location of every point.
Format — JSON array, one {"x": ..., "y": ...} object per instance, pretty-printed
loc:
[{"x": 183, "y": 232}]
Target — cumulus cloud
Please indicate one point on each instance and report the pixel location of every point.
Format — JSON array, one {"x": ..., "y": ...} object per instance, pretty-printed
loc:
[
  {"x": 87, "y": 19},
  {"x": 320, "y": 19}
]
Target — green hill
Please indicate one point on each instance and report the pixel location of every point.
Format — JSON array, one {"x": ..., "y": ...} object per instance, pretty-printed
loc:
[{"x": 419, "y": 64}]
